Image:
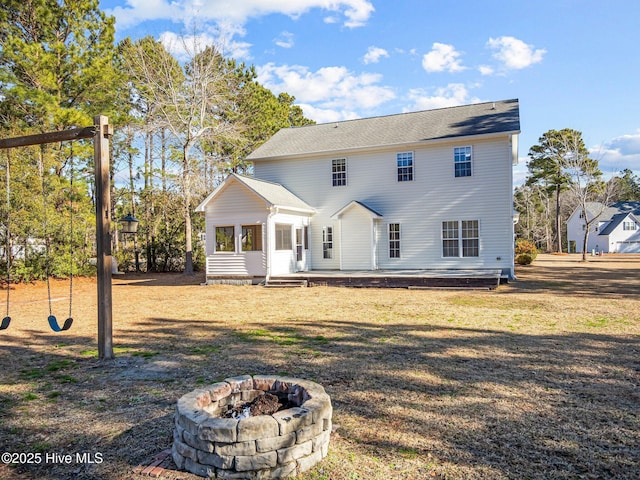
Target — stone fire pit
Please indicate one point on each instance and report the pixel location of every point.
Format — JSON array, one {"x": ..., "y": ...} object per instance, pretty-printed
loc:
[{"x": 279, "y": 445}]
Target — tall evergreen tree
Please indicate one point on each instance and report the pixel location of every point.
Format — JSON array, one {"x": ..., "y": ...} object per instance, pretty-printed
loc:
[
  {"x": 56, "y": 72},
  {"x": 56, "y": 63},
  {"x": 547, "y": 167}
]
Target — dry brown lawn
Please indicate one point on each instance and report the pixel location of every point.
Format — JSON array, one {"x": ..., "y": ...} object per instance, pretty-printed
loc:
[{"x": 538, "y": 379}]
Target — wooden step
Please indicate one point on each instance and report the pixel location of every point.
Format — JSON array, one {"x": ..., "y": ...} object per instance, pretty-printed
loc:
[{"x": 285, "y": 283}]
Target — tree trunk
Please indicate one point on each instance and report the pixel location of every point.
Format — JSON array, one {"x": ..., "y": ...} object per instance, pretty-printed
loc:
[
  {"x": 132, "y": 192},
  {"x": 584, "y": 244},
  {"x": 558, "y": 221},
  {"x": 188, "y": 264}
]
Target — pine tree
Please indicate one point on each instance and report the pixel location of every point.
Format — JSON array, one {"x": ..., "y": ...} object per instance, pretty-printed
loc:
[{"x": 547, "y": 167}]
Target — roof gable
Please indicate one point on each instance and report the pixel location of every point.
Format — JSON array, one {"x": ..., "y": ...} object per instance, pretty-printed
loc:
[
  {"x": 274, "y": 194},
  {"x": 615, "y": 222},
  {"x": 356, "y": 204},
  {"x": 390, "y": 130}
]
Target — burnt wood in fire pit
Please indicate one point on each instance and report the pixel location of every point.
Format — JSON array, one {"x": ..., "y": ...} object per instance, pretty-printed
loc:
[{"x": 265, "y": 404}]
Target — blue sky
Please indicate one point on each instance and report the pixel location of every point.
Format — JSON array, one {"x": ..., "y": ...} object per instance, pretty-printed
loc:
[{"x": 571, "y": 63}]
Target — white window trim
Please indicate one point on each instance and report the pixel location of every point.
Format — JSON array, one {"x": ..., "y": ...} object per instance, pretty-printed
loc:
[
  {"x": 471, "y": 161},
  {"x": 325, "y": 235},
  {"x": 261, "y": 237},
  {"x": 460, "y": 239},
  {"x": 215, "y": 240},
  {"x": 399, "y": 241},
  {"x": 291, "y": 240},
  {"x": 346, "y": 172},
  {"x": 413, "y": 166}
]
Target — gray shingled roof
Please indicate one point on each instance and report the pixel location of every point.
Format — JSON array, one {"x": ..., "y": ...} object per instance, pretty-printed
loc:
[
  {"x": 613, "y": 223},
  {"x": 615, "y": 214},
  {"x": 401, "y": 129},
  {"x": 273, "y": 193}
]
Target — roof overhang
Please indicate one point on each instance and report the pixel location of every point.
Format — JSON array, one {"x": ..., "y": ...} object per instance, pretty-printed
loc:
[
  {"x": 359, "y": 205},
  {"x": 233, "y": 178}
]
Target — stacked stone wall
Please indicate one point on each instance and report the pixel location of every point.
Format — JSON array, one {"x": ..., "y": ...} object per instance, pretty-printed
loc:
[{"x": 280, "y": 445}]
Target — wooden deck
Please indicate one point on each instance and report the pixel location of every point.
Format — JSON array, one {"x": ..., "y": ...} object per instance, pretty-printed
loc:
[{"x": 416, "y": 279}]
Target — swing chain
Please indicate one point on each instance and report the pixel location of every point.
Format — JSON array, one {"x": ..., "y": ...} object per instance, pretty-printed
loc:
[
  {"x": 71, "y": 250},
  {"x": 8, "y": 232}
]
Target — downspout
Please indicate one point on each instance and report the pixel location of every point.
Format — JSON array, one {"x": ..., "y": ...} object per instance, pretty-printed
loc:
[
  {"x": 514, "y": 143},
  {"x": 272, "y": 212},
  {"x": 374, "y": 244},
  {"x": 340, "y": 238}
]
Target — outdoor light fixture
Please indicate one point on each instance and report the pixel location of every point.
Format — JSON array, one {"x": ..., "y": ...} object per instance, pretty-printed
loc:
[{"x": 129, "y": 224}]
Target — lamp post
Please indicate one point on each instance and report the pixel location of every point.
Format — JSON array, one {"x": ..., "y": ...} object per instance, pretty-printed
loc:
[{"x": 129, "y": 224}]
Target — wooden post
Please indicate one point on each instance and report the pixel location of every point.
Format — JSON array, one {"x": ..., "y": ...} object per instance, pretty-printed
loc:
[{"x": 103, "y": 236}]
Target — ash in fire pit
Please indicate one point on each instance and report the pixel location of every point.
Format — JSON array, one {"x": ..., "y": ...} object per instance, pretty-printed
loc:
[{"x": 231, "y": 430}]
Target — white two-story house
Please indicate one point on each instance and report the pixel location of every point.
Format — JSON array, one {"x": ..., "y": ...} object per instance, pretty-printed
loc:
[
  {"x": 423, "y": 190},
  {"x": 616, "y": 229}
]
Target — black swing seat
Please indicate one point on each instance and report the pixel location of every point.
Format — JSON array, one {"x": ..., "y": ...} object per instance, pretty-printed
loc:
[
  {"x": 5, "y": 323},
  {"x": 53, "y": 323}
]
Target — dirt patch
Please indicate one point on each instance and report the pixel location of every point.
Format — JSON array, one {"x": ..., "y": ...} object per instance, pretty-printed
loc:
[{"x": 538, "y": 379}]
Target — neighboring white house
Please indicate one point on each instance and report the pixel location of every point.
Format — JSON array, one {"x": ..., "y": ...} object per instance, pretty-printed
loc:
[
  {"x": 423, "y": 190},
  {"x": 617, "y": 229}
]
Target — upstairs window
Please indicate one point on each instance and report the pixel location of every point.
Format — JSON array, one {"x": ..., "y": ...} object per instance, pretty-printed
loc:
[
  {"x": 629, "y": 225},
  {"x": 339, "y": 172},
  {"x": 462, "y": 161},
  {"x": 405, "y": 166},
  {"x": 225, "y": 239}
]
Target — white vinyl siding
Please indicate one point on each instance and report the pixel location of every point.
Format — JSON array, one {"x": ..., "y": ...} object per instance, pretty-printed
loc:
[
  {"x": 356, "y": 240},
  {"x": 235, "y": 207},
  {"x": 418, "y": 206}
]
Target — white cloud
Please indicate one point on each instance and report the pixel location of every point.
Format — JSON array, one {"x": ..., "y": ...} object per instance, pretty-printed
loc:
[
  {"x": 618, "y": 153},
  {"x": 354, "y": 13},
  {"x": 284, "y": 40},
  {"x": 626, "y": 144},
  {"x": 185, "y": 47},
  {"x": 442, "y": 57},
  {"x": 450, "y": 96},
  {"x": 374, "y": 54},
  {"x": 514, "y": 53},
  {"x": 326, "y": 115},
  {"x": 330, "y": 91},
  {"x": 485, "y": 70}
]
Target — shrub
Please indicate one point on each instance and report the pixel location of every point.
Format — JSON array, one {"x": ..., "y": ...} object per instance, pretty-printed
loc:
[
  {"x": 524, "y": 258},
  {"x": 526, "y": 247}
]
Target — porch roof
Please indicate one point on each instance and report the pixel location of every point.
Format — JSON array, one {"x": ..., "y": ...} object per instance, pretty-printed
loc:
[
  {"x": 274, "y": 194},
  {"x": 357, "y": 204}
]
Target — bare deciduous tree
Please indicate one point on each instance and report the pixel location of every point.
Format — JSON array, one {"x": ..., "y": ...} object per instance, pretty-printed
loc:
[
  {"x": 192, "y": 101},
  {"x": 585, "y": 187}
]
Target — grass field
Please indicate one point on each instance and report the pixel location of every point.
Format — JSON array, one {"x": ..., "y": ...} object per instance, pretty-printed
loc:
[{"x": 538, "y": 379}]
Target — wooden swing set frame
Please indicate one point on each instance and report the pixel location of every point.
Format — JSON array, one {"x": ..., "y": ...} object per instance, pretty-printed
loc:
[{"x": 100, "y": 132}]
